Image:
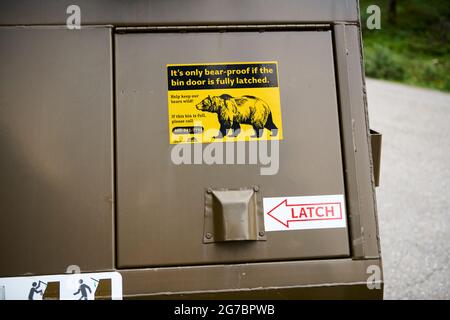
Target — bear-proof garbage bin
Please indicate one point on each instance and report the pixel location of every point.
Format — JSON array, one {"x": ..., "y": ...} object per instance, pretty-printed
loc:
[{"x": 197, "y": 149}]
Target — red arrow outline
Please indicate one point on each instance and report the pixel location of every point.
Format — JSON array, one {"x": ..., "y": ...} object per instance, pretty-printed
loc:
[{"x": 301, "y": 205}]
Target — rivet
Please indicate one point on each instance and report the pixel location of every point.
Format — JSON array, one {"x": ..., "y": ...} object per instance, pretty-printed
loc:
[
  {"x": 208, "y": 235},
  {"x": 209, "y": 190},
  {"x": 261, "y": 233},
  {"x": 256, "y": 188}
]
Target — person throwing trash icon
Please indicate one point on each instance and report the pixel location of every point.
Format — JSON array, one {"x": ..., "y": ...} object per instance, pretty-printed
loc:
[
  {"x": 34, "y": 289},
  {"x": 83, "y": 291}
]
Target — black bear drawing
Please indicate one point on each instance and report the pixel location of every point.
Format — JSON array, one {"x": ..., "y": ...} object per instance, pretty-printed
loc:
[{"x": 232, "y": 112}]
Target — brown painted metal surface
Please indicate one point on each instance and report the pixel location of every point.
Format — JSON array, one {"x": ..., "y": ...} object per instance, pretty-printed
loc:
[
  {"x": 360, "y": 189},
  {"x": 167, "y": 216},
  {"x": 56, "y": 176},
  {"x": 274, "y": 280},
  {"x": 233, "y": 215},
  {"x": 376, "y": 138},
  {"x": 164, "y": 12},
  {"x": 61, "y": 90}
]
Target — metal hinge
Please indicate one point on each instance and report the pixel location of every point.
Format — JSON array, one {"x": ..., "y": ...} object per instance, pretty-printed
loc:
[{"x": 225, "y": 28}]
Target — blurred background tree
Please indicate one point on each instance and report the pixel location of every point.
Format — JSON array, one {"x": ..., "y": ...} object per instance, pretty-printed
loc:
[
  {"x": 392, "y": 16},
  {"x": 413, "y": 44}
]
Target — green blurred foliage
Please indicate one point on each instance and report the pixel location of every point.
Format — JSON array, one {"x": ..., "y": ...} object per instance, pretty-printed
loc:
[
  {"x": 383, "y": 63},
  {"x": 415, "y": 49}
]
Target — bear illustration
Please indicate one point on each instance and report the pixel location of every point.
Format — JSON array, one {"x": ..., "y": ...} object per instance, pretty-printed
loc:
[{"x": 232, "y": 112}]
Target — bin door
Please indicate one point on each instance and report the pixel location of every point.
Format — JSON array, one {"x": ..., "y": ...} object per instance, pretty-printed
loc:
[
  {"x": 56, "y": 158},
  {"x": 162, "y": 207}
]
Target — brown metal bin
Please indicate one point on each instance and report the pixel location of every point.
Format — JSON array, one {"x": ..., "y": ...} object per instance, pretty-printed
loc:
[{"x": 86, "y": 175}]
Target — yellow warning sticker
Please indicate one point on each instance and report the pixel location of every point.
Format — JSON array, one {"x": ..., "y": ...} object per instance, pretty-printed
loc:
[{"x": 215, "y": 102}]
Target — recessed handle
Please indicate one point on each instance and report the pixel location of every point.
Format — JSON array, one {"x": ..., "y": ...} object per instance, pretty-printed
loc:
[{"x": 233, "y": 215}]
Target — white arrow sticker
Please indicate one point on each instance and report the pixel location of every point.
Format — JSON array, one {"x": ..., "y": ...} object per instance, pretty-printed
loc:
[{"x": 299, "y": 213}]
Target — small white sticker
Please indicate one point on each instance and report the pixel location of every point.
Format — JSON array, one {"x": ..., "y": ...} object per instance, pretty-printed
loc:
[
  {"x": 301, "y": 213},
  {"x": 76, "y": 286}
]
